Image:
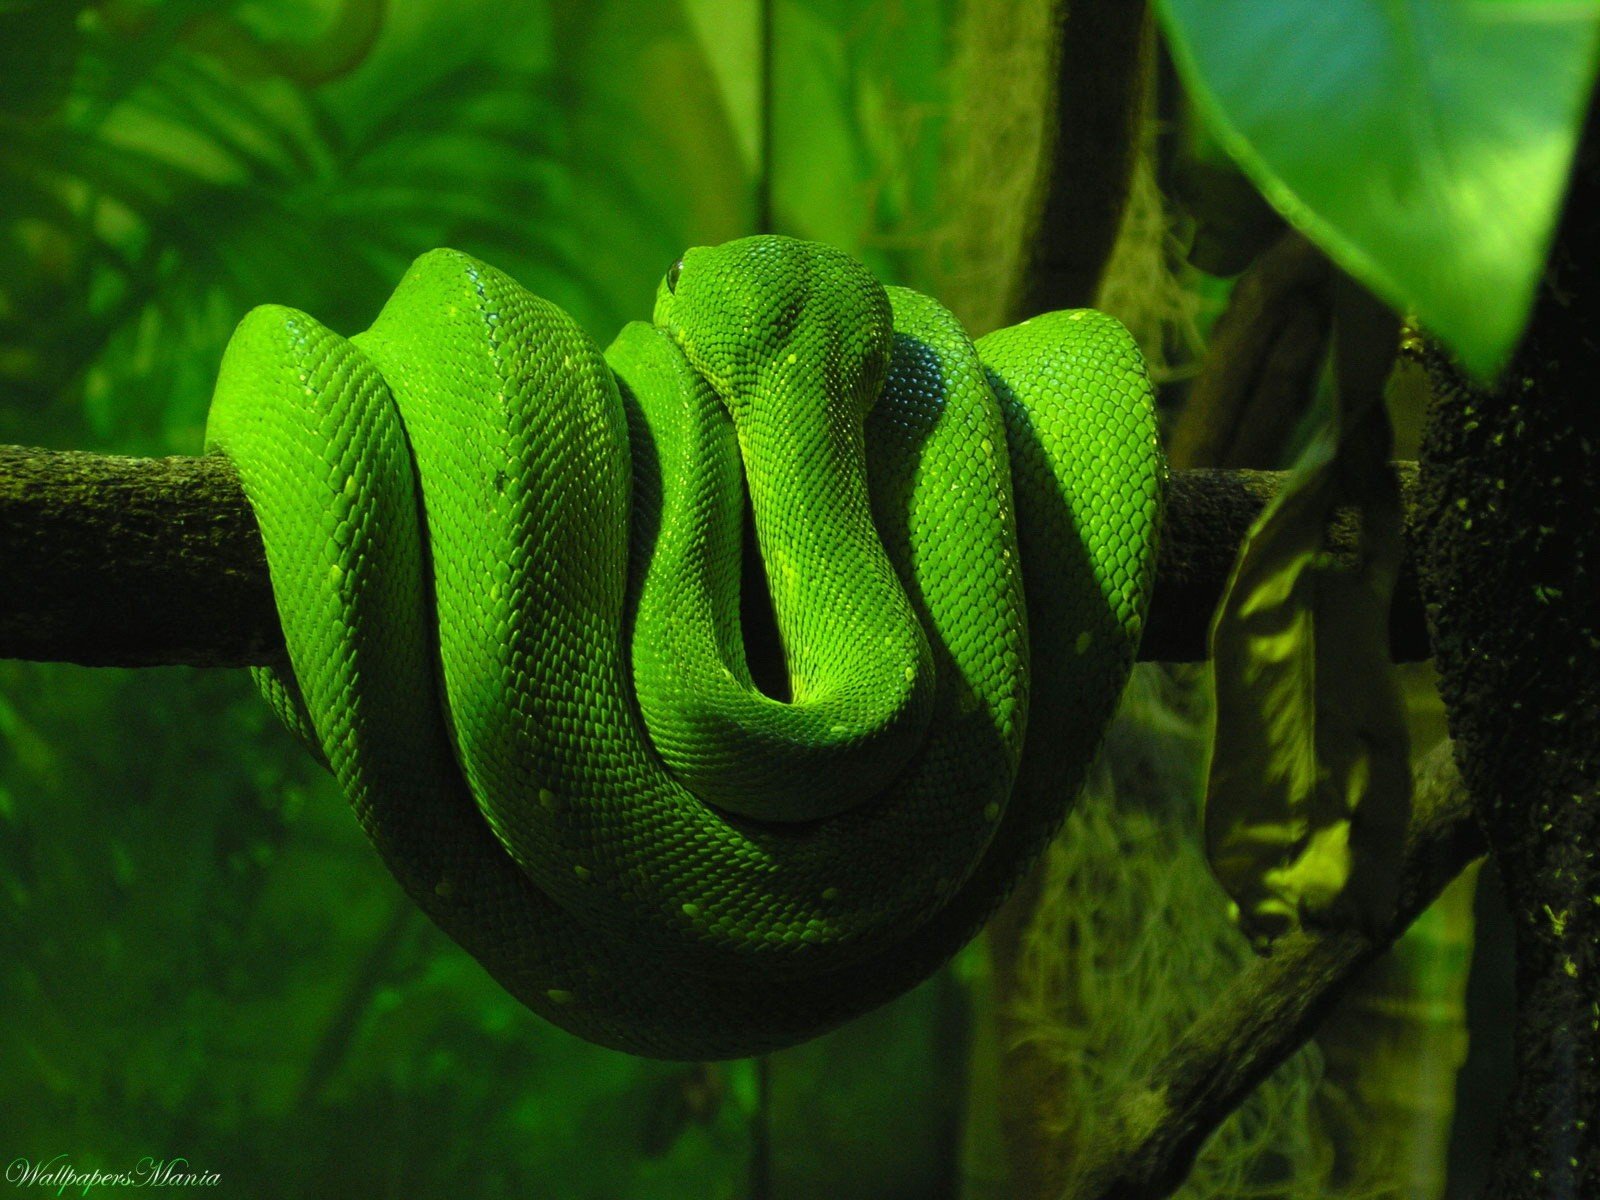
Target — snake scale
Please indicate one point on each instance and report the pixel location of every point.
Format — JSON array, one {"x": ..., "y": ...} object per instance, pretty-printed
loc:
[{"x": 508, "y": 566}]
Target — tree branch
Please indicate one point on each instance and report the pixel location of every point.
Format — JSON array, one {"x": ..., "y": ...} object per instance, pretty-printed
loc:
[
  {"x": 1509, "y": 558},
  {"x": 1268, "y": 1013},
  {"x": 1107, "y": 51},
  {"x": 157, "y": 561}
]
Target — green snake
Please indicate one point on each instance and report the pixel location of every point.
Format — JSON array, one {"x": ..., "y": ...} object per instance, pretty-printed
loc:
[{"x": 508, "y": 570}]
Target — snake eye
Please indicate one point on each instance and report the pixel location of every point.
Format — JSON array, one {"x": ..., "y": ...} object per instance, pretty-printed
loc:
[{"x": 673, "y": 272}]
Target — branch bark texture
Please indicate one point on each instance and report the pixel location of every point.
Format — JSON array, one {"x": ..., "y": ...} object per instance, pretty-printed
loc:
[
  {"x": 146, "y": 562},
  {"x": 1511, "y": 570},
  {"x": 1107, "y": 53}
]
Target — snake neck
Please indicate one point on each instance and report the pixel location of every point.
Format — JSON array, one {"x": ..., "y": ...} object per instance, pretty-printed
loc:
[{"x": 859, "y": 669}]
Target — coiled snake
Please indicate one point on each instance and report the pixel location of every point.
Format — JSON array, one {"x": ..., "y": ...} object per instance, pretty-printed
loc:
[{"x": 508, "y": 572}]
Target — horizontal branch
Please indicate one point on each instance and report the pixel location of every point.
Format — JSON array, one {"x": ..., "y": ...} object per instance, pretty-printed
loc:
[
  {"x": 1269, "y": 1011},
  {"x": 154, "y": 561}
]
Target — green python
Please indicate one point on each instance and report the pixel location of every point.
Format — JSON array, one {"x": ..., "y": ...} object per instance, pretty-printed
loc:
[{"x": 508, "y": 570}]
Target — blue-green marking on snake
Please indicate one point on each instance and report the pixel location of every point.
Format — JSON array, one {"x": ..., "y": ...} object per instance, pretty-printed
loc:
[{"x": 507, "y": 568}]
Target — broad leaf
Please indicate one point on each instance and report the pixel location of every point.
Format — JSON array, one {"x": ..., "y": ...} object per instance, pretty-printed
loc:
[
  {"x": 1424, "y": 144},
  {"x": 730, "y": 37},
  {"x": 1308, "y": 787}
]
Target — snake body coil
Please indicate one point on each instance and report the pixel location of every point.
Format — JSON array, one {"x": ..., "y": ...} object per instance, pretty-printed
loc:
[{"x": 508, "y": 572}]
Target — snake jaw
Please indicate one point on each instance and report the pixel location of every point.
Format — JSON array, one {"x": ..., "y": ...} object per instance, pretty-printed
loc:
[{"x": 674, "y": 314}]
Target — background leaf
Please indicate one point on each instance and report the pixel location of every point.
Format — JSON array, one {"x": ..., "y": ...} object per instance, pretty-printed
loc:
[
  {"x": 1424, "y": 144},
  {"x": 1308, "y": 787}
]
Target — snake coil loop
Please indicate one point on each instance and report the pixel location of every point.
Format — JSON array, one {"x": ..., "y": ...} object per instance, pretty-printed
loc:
[{"x": 507, "y": 567}]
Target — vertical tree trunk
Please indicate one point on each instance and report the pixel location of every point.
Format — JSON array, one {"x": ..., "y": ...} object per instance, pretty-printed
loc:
[{"x": 1510, "y": 563}]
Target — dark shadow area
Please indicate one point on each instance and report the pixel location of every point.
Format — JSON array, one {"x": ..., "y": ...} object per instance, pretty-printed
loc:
[{"x": 758, "y": 622}]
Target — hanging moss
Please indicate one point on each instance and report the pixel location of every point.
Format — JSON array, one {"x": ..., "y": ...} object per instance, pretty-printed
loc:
[{"x": 1129, "y": 942}]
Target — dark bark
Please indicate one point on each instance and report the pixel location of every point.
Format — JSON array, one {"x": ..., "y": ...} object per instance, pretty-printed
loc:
[
  {"x": 134, "y": 562},
  {"x": 144, "y": 562},
  {"x": 1509, "y": 554},
  {"x": 1107, "y": 53},
  {"x": 1208, "y": 514}
]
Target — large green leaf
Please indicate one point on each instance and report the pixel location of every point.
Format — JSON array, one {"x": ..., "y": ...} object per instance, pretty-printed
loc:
[{"x": 1424, "y": 144}]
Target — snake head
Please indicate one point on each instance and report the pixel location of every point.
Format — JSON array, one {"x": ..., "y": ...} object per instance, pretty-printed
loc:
[{"x": 768, "y": 314}]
